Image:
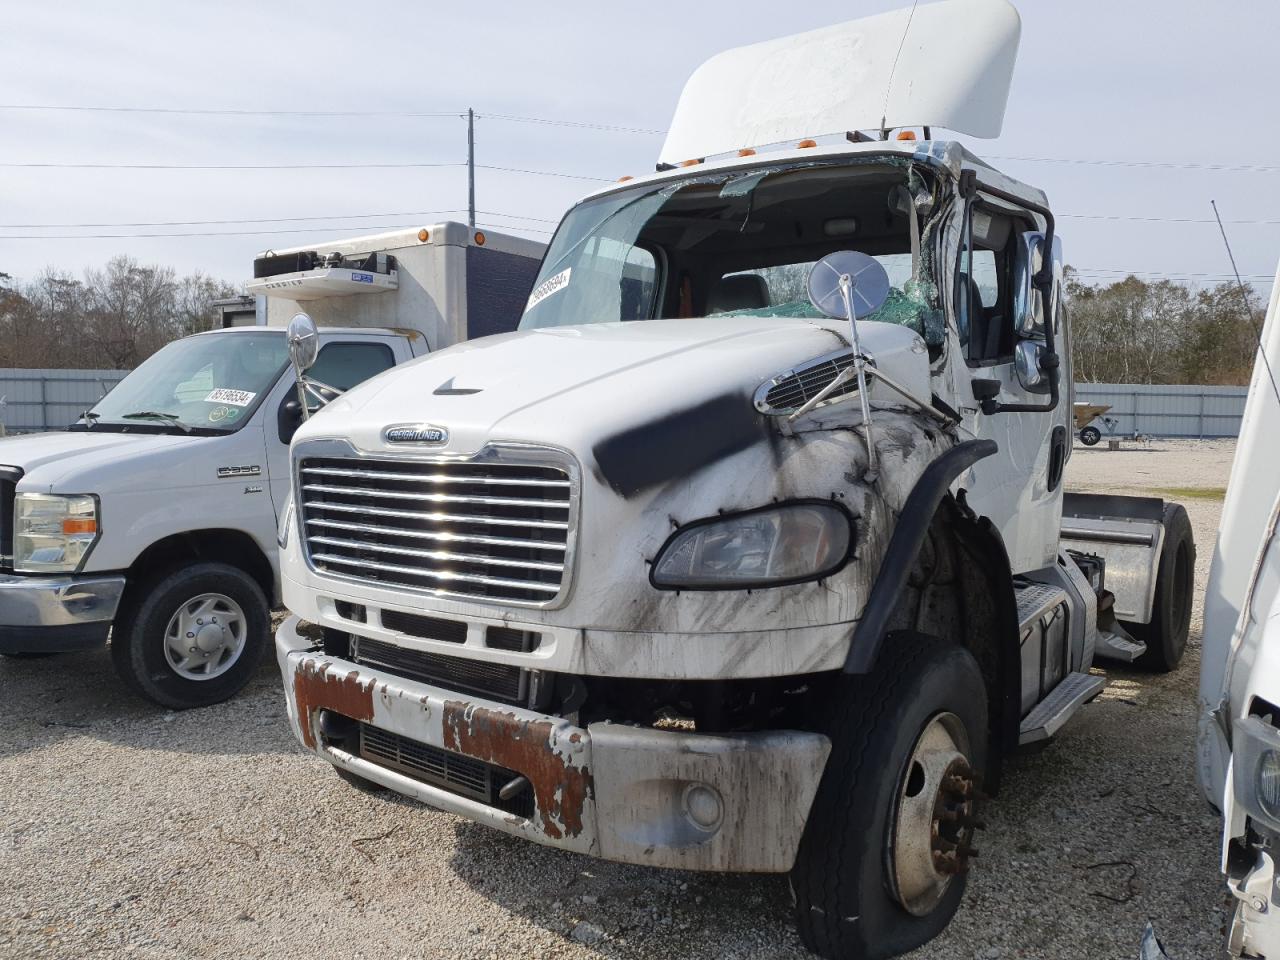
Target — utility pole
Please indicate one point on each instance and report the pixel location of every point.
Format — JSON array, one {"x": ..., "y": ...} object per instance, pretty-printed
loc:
[{"x": 471, "y": 167}]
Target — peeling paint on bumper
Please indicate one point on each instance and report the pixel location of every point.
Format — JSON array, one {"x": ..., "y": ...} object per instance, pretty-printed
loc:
[{"x": 634, "y": 795}]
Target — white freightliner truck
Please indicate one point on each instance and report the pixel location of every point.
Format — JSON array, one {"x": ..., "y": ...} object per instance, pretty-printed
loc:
[
  {"x": 748, "y": 551},
  {"x": 1239, "y": 742},
  {"x": 153, "y": 519}
]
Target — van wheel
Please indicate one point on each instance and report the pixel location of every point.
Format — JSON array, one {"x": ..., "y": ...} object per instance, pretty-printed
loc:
[
  {"x": 193, "y": 637},
  {"x": 1090, "y": 435},
  {"x": 881, "y": 867},
  {"x": 1166, "y": 634}
]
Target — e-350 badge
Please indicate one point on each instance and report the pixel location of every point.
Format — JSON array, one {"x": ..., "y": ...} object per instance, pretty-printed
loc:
[{"x": 427, "y": 434}]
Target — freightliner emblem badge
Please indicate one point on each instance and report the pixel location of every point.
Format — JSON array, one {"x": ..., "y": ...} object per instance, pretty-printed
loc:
[{"x": 425, "y": 433}]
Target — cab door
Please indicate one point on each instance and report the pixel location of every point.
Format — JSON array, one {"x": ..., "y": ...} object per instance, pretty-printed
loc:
[
  {"x": 342, "y": 363},
  {"x": 999, "y": 316}
]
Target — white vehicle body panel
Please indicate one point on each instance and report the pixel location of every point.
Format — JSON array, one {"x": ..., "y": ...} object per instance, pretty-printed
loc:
[
  {"x": 430, "y": 295},
  {"x": 896, "y": 69},
  {"x": 152, "y": 486},
  {"x": 1241, "y": 659}
]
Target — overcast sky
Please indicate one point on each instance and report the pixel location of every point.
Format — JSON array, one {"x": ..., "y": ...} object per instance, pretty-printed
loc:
[{"x": 1172, "y": 82}]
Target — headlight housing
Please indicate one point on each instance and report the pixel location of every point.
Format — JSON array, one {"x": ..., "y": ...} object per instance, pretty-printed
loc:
[
  {"x": 53, "y": 533},
  {"x": 771, "y": 546},
  {"x": 1255, "y": 763}
]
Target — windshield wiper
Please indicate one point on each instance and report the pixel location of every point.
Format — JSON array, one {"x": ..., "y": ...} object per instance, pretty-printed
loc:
[{"x": 172, "y": 419}]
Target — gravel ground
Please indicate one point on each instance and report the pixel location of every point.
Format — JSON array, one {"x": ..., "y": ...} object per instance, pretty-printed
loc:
[{"x": 130, "y": 831}]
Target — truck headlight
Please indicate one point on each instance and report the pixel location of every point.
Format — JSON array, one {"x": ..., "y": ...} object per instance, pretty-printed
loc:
[
  {"x": 286, "y": 524},
  {"x": 53, "y": 533},
  {"x": 771, "y": 546},
  {"x": 1255, "y": 764},
  {"x": 1269, "y": 782}
]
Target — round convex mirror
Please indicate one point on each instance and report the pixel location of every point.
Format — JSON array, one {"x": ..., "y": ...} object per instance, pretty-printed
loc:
[
  {"x": 868, "y": 284},
  {"x": 304, "y": 342}
]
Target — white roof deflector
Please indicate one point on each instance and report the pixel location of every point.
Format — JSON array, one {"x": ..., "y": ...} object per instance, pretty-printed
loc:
[{"x": 946, "y": 65}]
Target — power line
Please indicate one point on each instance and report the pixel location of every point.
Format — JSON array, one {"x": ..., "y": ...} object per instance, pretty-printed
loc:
[
  {"x": 544, "y": 173},
  {"x": 211, "y": 223},
  {"x": 233, "y": 166},
  {"x": 407, "y": 114},
  {"x": 221, "y": 112},
  {"x": 1119, "y": 217},
  {"x": 296, "y": 166},
  {"x": 1148, "y": 164},
  {"x": 582, "y": 124}
]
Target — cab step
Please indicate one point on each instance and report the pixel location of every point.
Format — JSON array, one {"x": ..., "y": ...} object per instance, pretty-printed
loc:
[
  {"x": 1048, "y": 716},
  {"x": 1037, "y": 599},
  {"x": 1114, "y": 646}
]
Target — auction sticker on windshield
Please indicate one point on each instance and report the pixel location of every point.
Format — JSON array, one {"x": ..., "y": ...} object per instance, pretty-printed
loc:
[
  {"x": 548, "y": 287},
  {"x": 237, "y": 398}
]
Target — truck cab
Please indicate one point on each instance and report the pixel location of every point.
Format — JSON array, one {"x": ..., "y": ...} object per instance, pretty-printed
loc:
[
  {"x": 152, "y": 520},
  {"x": 1239, "y": 738},
  {"x": 748, "y": 550}
]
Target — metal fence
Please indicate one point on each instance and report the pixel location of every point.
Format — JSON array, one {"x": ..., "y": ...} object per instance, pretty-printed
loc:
[
  {"x": 1166, "y": 410},
  {"x": 50, "y": 399}
]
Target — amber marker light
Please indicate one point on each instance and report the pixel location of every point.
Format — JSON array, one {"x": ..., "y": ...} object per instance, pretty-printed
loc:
[
  {"x": 626, "y": 178},
  {"x": 479, "y": 238},
  {"x": 424, "y": 235},
  {"x": 72, "y": 525},
  {"x": 907, "y": 135},
  {"x": 806, "y": 144},
  {"x": 746, "y": 152},
  {"x": 689, "y": 163}
]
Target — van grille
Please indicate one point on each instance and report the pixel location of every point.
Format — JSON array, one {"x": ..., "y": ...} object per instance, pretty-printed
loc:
[
  {"x": 491, "y": 530},
  {"x": 9, "y": 477},
  {"x": 789, "y": 393}
]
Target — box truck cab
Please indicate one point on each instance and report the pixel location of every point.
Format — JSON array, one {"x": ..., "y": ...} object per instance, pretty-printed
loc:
[{"x": 152, "y": 520}]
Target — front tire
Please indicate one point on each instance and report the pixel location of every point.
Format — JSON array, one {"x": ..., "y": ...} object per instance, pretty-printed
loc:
[
  {"x": 909, "y": 744},
  {"x": 1166, "y": 634},
  {"x": 194, "y": 637}
]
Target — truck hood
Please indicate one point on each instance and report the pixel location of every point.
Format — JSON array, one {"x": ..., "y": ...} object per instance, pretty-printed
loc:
[
  {"x": 571, "y": 386},
  {"x": 47, "y": 459}
]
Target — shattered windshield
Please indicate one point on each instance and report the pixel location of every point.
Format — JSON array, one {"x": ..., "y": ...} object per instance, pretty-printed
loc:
[
  {"x": 206, "y": 383},
  {"x": 740, "y": 244}
]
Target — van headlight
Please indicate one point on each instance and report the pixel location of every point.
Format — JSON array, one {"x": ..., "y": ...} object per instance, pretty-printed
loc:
[
  {"x": 53, "y": 533},
  {"x": 770, "y": 546}
]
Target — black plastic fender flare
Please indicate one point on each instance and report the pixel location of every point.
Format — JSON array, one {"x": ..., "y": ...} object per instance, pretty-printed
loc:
[{"x": 908, "y": 536}]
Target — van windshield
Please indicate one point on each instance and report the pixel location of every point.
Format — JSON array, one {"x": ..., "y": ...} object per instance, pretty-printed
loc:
[
  {"x": 737, "y": 244},
  {"x": 206, "y": 383}
]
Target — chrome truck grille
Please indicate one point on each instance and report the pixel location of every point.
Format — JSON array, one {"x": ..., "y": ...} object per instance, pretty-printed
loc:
[
  {"x": 9, "y": 477},
  {"x": 787, "y": 393},
  {"x": 487, "y": 529}
]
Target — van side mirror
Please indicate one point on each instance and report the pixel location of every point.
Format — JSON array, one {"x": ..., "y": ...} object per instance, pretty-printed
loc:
[
  {"x": 288, "y": 419},
  {"x": 1028, "y": 305}
]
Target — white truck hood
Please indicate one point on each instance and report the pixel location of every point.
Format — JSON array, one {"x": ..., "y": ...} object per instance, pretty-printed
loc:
[
  {"x": 50, "y": 459},
  {"x": 572, "y": 385}
]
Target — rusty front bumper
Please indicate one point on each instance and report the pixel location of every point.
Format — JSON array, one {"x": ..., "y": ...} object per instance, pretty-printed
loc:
[{"x": 635, "y": 795}]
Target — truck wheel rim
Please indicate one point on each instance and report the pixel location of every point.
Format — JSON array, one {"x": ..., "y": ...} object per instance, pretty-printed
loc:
[
  {"x": 205, "y": 637},
  {"x": 934, "y": 821}
]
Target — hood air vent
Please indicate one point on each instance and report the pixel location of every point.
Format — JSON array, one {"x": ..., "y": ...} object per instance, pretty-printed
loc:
[{"x": 788, "y": 392}]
